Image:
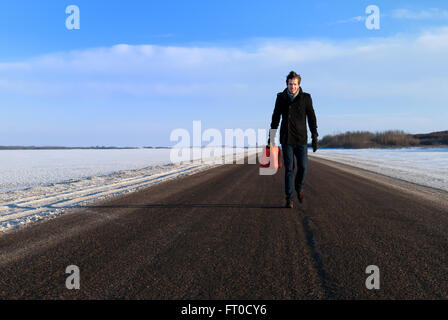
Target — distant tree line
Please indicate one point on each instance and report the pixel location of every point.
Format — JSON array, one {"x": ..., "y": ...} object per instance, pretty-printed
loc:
[{"x": 390, "y": 138}]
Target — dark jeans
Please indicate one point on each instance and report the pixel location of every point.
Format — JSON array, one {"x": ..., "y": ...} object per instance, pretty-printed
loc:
[{"x": 301, "y": 153}]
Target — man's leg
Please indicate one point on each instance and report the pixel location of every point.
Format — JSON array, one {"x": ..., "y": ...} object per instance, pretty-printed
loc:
[
  {"x": 288, "y": 157},
  {"x": 301, "y": 153}
]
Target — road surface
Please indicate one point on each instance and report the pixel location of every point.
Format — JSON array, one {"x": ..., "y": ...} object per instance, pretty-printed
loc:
[{"x": 224, "y": 234}]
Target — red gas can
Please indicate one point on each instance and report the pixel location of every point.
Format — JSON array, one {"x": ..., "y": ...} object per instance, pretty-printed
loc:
[{"x": 271, "y": 157}]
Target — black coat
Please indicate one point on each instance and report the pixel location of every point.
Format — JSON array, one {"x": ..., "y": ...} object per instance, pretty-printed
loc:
[{"x": 294, "y": 113}]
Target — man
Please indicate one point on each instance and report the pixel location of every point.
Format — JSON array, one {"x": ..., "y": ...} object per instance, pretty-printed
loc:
[{"x": 294, "y": 106}]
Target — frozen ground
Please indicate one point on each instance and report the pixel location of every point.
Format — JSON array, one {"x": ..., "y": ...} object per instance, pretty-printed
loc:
[
  {"x": 424, "y": 166},
  {"x": 38, "y": 184}
]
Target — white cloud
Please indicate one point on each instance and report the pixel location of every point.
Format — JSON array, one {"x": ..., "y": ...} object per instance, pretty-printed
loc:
[
  {"x": 432, "y": 13},
  {"x": 402, "y": 13},
  {"x": 382, "y": 74},
  {"x": 349, "y": 20}
]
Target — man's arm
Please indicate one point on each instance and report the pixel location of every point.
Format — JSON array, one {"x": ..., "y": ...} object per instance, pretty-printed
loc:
[
  {"x": 312, "y": 123},
  {"x": 275, "y": 121}
]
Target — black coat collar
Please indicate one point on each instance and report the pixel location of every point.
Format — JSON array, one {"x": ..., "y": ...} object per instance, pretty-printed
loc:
[{"x": 285, "y": 96}]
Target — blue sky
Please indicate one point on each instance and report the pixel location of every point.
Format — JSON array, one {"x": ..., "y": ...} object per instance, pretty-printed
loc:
[{"x": 136, "y": 70}]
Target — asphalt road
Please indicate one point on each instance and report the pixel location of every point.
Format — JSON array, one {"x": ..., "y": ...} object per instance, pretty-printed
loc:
[{"x": 224, "y": 234}]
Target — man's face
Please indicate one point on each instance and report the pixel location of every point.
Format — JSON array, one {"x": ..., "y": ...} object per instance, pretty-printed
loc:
[{"x": 293, "y": 85}]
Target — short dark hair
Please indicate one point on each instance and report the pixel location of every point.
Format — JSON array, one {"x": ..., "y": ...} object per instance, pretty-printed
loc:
[{"x": 293, "y": 75}]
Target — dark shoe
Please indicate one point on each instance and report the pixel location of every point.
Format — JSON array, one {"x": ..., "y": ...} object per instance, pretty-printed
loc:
[
  {"x": 289, "y": 203},
  {"x": 301, "y": 196}
]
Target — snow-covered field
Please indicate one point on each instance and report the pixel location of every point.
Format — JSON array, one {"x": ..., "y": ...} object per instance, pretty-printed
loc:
[
  {"x": 424, "y": 166},
  {"x": 38, "y": 184}
]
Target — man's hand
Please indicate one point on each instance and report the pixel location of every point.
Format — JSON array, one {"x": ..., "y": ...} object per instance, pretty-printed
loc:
[
  {"x": 272, "y": 134},
  {"x": 314, "y": 143}
]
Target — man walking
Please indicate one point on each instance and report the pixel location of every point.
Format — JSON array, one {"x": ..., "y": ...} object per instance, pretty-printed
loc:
[{"x": 294, "y": 106}]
